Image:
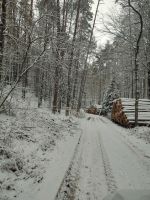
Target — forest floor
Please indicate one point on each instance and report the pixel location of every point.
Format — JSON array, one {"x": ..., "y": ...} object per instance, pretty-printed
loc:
[
  {"x": 52, "y": 157},
  {"x": 34, "y": 145}
]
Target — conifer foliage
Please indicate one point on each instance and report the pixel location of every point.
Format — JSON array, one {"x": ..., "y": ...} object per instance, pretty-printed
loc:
[{"x": 111, "y": 94}]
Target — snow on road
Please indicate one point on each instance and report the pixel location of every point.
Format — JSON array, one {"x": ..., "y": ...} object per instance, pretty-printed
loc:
[
  {"x": 110, "y": 161},
  {"x": 92, "y": 183},
  {"x": 130, "y": 168},
  {"x": 104, "y": 158}
]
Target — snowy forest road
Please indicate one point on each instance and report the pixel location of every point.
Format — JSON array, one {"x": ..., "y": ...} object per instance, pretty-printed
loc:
[
  {"x": 107, "y": 152},
  {"x": 107, "y": 161}
]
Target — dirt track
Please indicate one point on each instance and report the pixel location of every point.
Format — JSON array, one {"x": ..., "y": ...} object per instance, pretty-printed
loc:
[{"x": 103, "y": 162}]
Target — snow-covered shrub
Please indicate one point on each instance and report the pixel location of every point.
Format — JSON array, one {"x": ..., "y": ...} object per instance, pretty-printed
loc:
[
  {"x": 11, "y": 165},
  {"x": 48, "y": 143},
  {"x": 5, "y": 153},
  {"x": 110, "y": 95},
  {"x": 7, "y": 108},
  {"x": 26, "y": 140}
]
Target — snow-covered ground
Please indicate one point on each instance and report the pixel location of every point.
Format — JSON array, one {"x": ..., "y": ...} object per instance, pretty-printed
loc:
[
  {"x": 112, "y": 159},
  {"x": 35, "y": 151},
  {"x": 46, "y": 156},
  {"x": 109, "y": 159}
]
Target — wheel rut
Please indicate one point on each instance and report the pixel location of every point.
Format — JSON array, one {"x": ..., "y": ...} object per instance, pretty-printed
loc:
[
  {"x": 68, "y": 185},
  {"x": 110, "y": 179},
  {"x": 99, "y": 175}
]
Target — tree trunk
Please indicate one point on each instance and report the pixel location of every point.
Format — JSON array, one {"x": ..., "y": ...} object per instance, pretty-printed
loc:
[
  {"x": 100, "y": 89},
  {"x": 2, "y": 29},
  {"x": 24, "y": 85},
  {"x": 83, "y": 77},
  {"x": 69, "y": 91},
  {"x": 136, "y": 61},
  {"x": 28, "y": 40},
  {"x": 40, "y": 90},
  {"x": 57, "y": 68},
  {"x": 131, "y": 56},
  {"x": 148, "y": 80},
  {"x": 75, "y": 83}
]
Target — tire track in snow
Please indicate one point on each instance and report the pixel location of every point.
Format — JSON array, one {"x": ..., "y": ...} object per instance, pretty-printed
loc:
[
  {"x": 68, "y": 185},
  {"x": 92, "y": 183},
  {"x": 110, "y": 180},
  {"x": 132, "y": 169},
  {"x": 144, "y": 159}
]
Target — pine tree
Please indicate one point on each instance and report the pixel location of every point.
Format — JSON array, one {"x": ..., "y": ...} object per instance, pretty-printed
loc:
[{"x": 111, "y": 94}]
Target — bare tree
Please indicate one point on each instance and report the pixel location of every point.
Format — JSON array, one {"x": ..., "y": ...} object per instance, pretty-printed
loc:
[
  {"x": 83, "y": 77},
  {"x": 137, "y": 47},
  {"x": 71, "y": 60},
  {"x": 57, "y": 68},
  {"x": 2, "y": 30}
]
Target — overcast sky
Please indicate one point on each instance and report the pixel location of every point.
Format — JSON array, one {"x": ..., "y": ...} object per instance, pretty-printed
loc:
[{"x": 107, "y": 6}]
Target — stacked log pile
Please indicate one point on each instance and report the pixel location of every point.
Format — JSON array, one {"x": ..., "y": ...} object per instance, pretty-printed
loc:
[
  {"x": 94, "y": 109},
  {"x": 123, "y": 112},
  {"x": 91, "y": 110}
]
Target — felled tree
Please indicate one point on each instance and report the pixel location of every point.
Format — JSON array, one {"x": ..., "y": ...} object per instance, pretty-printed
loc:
[{"x": 110, "y": 95}]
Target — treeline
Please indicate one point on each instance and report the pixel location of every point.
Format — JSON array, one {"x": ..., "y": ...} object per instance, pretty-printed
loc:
[
  {"x": 127, "y": 58},
  {"x": 44, "y": 47}
]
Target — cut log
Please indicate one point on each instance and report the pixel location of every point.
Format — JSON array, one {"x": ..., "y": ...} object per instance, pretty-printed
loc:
[{"x": 123, "y": 112}]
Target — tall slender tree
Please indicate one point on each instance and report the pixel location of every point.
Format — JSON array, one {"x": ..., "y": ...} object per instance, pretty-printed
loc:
[
  {"x": 2, "y": 31},
  {"x": 69, "y": 92},
  {"x": 83, "y": 79}
]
